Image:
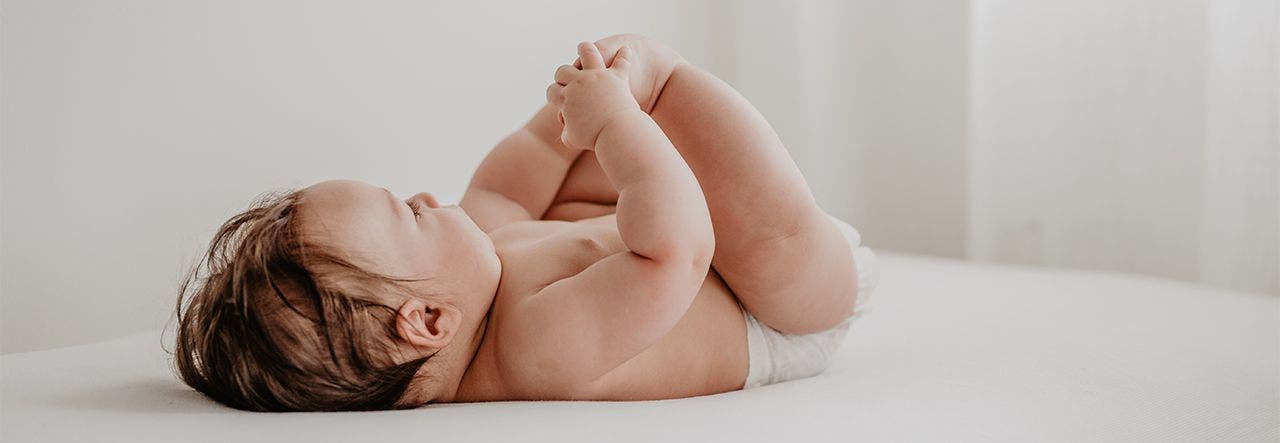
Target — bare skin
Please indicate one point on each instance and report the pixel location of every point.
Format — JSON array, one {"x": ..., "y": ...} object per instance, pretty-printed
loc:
[{"x": 626, "y": 237}]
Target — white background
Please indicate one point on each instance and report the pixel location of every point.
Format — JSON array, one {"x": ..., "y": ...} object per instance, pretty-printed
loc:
[{"x": 1132, "y": 136}]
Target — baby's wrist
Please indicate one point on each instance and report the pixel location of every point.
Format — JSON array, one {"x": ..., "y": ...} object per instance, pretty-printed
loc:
[{"x": 617, "y": 120}]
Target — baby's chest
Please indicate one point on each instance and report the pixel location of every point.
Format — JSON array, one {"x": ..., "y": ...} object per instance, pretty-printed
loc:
[{"x": 543, "y": 252}]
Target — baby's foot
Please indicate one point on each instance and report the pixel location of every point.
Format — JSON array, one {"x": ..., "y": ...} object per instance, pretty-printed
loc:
[{"x": 649, "y": 70}]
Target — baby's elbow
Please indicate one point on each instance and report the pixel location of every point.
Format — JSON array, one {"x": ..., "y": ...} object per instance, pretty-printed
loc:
[
  {"x": 682, "y": 259},
  {"x": 702, "y": 246},
  {"x": 703, "y": 252},
  {"x": 694, "y": 255},
  {"x": 685, "y": 250}
]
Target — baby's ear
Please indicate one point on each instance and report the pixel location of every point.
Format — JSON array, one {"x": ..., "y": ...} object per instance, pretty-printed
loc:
[{"x": 423, "y": 325}]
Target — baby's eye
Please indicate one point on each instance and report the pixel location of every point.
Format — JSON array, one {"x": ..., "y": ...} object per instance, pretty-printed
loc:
[{"x": 417, "y": 212}]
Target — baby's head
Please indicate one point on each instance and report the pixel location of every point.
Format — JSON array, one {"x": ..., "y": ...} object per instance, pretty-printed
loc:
[{"x": 336, "y": 297}]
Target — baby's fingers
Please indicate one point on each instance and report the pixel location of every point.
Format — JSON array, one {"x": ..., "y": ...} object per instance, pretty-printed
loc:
[
  {"x": 590, "y": 56},
  {"x": 555, "y": 94},
  {"x": 565, "y": 74}
]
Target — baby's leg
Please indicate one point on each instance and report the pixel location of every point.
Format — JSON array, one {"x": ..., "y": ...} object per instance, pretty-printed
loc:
[{"x": 784, "y": 259}]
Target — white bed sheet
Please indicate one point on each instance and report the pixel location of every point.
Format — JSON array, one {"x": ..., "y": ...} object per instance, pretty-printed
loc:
[{"x": 950, "y": 351}]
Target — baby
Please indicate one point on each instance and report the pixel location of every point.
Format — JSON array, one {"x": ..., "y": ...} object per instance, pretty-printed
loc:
[{"x": 644, "y": 236}]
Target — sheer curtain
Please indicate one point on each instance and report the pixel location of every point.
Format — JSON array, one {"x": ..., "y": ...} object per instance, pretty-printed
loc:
[{"x": 1134, "y": 136}]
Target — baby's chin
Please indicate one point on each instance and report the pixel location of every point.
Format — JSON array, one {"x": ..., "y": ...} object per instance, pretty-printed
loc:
[
  {"x": 469, "y": 218},
  {"x": 492, "y": 262}
]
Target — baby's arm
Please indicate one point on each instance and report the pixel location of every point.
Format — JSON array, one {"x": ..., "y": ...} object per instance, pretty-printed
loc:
[
  {"x": 586, "y": 192},
  {"x": 519, "y": 178},
  {"x": 619, "y": 306}
]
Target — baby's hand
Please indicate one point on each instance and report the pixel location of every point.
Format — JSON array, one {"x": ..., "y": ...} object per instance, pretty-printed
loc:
[
  {"x": 592, "y": 97},
  {"x": 650, "y": 68}
]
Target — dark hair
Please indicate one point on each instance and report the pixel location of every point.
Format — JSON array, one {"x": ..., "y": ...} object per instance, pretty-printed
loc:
[{"x": 260, "y": 329}]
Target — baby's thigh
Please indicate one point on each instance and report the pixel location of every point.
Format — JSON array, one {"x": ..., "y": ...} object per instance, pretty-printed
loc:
[{"x": 802, "y": 282}]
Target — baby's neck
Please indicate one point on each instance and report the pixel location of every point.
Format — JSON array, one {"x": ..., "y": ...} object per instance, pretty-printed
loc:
[
  {"x": 446, "y": 372},
  {"x": 477, "y": 381},
  {"x": 462, "y": 370}
]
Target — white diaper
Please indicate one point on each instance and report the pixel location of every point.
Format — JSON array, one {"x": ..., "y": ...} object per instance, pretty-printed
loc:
[{"x": 776, "y": 357}]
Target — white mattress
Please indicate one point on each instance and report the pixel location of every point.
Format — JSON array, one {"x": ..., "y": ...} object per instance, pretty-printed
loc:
[{"x": 950, "y": 351}]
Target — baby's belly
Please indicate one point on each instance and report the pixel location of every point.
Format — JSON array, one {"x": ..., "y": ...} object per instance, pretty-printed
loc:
[{"x": 706, "y": 353}]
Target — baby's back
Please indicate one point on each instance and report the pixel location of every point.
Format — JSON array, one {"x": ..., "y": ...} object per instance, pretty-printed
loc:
[{"x": 705, "y": 353}]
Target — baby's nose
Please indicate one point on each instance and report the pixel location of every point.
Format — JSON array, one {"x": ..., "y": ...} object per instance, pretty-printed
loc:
[{"x": 427, "y": 199}]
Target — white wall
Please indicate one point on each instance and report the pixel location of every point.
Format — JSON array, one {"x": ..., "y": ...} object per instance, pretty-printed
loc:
[
  {"x": 870, "y": 97},
  {"x": 1088, "y": 133},
  {"x": 1135, "y": 136},
  {"x": 910, "y": 71},
  {"x": 1240, "y": 223},
  {"x": 132, "y": 129}
]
